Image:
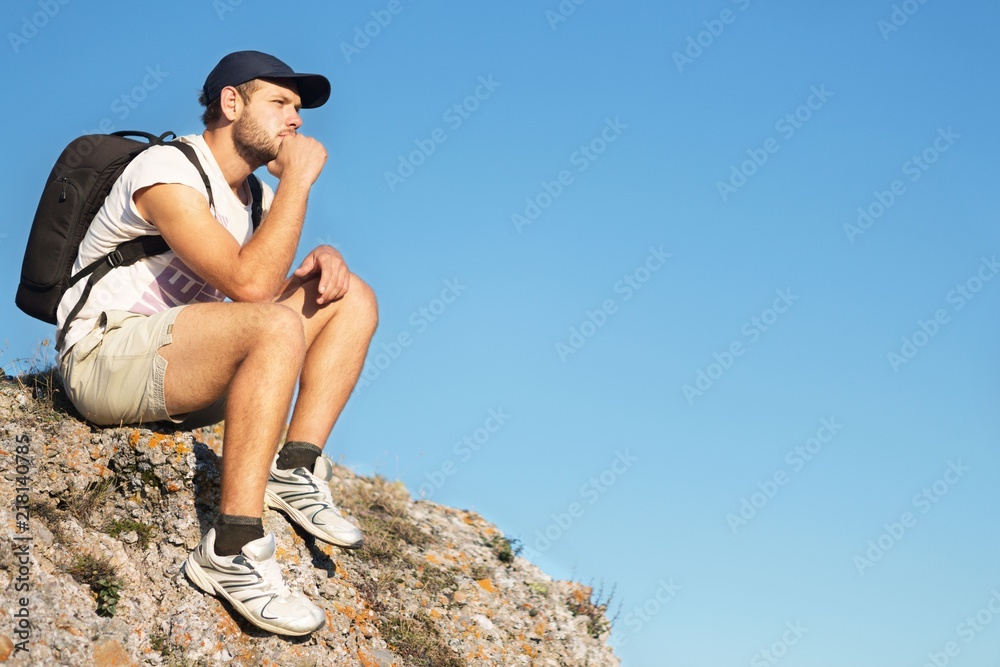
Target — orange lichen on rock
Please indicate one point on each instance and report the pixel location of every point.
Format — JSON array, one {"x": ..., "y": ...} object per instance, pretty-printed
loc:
[
  {"x": 581, "y": 594},
  {"x": 111, "y": 654},
  {"x": 158, "y": 439},
  {"x": 479, "y": 654},
  {"x": 359, "y": 620},
  {"x": 226, "y": 625},
  {"x": 286, "y": 555},
  {"x": 366, "y": 658},
  {"x": 6, "y": 647}
]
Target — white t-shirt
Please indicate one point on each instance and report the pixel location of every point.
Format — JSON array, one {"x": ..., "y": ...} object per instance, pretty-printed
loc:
[{"x": 155, "y": 283}]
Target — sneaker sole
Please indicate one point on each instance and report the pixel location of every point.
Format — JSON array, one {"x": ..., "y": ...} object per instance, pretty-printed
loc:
[
  {"x": 274, "y": 501},
  {"x": 196, "y": 575}
]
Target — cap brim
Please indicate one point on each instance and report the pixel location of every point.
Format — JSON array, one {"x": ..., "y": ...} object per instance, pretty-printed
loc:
[{"x": 314, "y": 89}]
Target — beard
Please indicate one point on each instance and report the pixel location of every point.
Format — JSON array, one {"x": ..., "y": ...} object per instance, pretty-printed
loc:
[{"x": 252, "y": 142}]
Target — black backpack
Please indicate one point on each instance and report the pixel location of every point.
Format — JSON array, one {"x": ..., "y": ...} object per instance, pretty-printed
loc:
[{"x": 77, "y": 187}]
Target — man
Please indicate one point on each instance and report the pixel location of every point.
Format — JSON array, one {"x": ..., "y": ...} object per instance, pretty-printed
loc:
[{"x": 155, "y": 341}]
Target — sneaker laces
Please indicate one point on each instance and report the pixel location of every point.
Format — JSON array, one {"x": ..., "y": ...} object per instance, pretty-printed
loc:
[
  {"x": 271, "y": 574},
  {"x": 324, "y": 490}
]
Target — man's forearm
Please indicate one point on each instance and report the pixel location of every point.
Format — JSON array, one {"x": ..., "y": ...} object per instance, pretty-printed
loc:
[{"x": 266, "y": 259}]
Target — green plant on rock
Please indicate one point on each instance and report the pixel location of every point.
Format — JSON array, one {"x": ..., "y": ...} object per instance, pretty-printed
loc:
[
  {"x": 143, "y": 530},
  {"x": 158, "y": 642},
  {"x": 108, "y": 591},
  {"x": 538, "y": 588},
  {"x": 505, "y": 548},
  {"x": 100, "y": 575}
]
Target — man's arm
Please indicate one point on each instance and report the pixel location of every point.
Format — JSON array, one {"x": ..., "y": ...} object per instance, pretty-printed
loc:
[{"x": 256, "y": 271}]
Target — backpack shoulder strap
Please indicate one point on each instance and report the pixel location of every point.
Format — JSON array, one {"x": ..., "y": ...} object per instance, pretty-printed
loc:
[
  {"x": 191, "y": 155},
  {"x": 256, "y": 189},
  {"x": 125, "y": 254},
  {"x": 257, "y": 194}
]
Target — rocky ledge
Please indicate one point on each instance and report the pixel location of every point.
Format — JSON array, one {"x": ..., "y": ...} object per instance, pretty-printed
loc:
[{"x": 97, "y": 522}]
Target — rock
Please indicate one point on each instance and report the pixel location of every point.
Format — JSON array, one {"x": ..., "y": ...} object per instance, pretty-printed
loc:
[
  {"x": 42, "y": 534},
  {"x": 6, "y": 647},
  {"x": 111, "y": 654},
  {"x": 386, "y": 659},
  {"x": 426, "y": 582}
]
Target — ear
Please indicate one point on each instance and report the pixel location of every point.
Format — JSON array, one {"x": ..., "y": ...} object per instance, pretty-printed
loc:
[{"x": 231, "y": 103}]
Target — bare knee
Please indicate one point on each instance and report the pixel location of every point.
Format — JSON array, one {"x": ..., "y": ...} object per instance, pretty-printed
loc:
[
  {"x": 279, "y": 329},
  {"x": 362, "y": 303}
]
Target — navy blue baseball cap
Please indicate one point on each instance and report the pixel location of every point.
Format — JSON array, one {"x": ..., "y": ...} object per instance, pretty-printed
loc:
[{"x": 243, "y": 66}]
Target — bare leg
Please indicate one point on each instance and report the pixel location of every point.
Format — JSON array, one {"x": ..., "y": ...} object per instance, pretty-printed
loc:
[
  {"x": 255, "y": 352},
  {"x": 337, "y": 336}
]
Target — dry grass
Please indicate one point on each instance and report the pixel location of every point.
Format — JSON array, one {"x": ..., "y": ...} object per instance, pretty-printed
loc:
[
  {"x": 382, "y": 509},
  {"x": 594, "y": 604},
  {"x": 437, "y": 579},
  {"x": 39, "y": 378},
  {"x": 50, "y": 516},
  {"x": 84, "y": 503},
  {"x": 418, "y": 640}
]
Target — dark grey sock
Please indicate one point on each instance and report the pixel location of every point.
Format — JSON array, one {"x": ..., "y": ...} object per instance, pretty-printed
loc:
[
  {"x": 233, "y": 531},
  {"x": 298, "y": 455}
]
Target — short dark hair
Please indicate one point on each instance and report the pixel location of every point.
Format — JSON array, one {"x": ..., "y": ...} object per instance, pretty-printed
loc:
[{"x": 213, "y": 110}]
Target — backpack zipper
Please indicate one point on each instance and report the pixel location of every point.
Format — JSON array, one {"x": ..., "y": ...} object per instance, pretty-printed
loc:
[{"x": 62, "y": 195}]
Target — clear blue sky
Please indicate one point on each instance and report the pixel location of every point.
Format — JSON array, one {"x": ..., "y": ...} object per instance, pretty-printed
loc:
[{"x": 698, "y": 169}]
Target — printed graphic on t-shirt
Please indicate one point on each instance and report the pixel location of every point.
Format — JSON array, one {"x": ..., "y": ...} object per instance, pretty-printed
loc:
[{"x": 175, "y": 286}]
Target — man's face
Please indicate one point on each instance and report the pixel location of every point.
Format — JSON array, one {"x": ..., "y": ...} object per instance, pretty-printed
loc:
[{"x": 271, "y": 114}]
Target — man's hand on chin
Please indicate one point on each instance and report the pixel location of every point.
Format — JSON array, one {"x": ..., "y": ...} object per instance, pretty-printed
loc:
[{"x": 298, "y": 157}]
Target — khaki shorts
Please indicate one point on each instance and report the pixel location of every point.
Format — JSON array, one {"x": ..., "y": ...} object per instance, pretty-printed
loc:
[{"x": 114, "y": 375}]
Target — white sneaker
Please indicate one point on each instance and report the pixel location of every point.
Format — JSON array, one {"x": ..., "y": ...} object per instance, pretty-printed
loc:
[
  {"x": 252, "y": 582},
  {"x": 305, "y": 497}
]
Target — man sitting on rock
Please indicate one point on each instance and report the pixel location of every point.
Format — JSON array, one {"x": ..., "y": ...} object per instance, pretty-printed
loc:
[{"x": 157, "y": 341}]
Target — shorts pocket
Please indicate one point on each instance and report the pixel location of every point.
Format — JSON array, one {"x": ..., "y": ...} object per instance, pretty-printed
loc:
[{"x": 113, "y": 319}]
